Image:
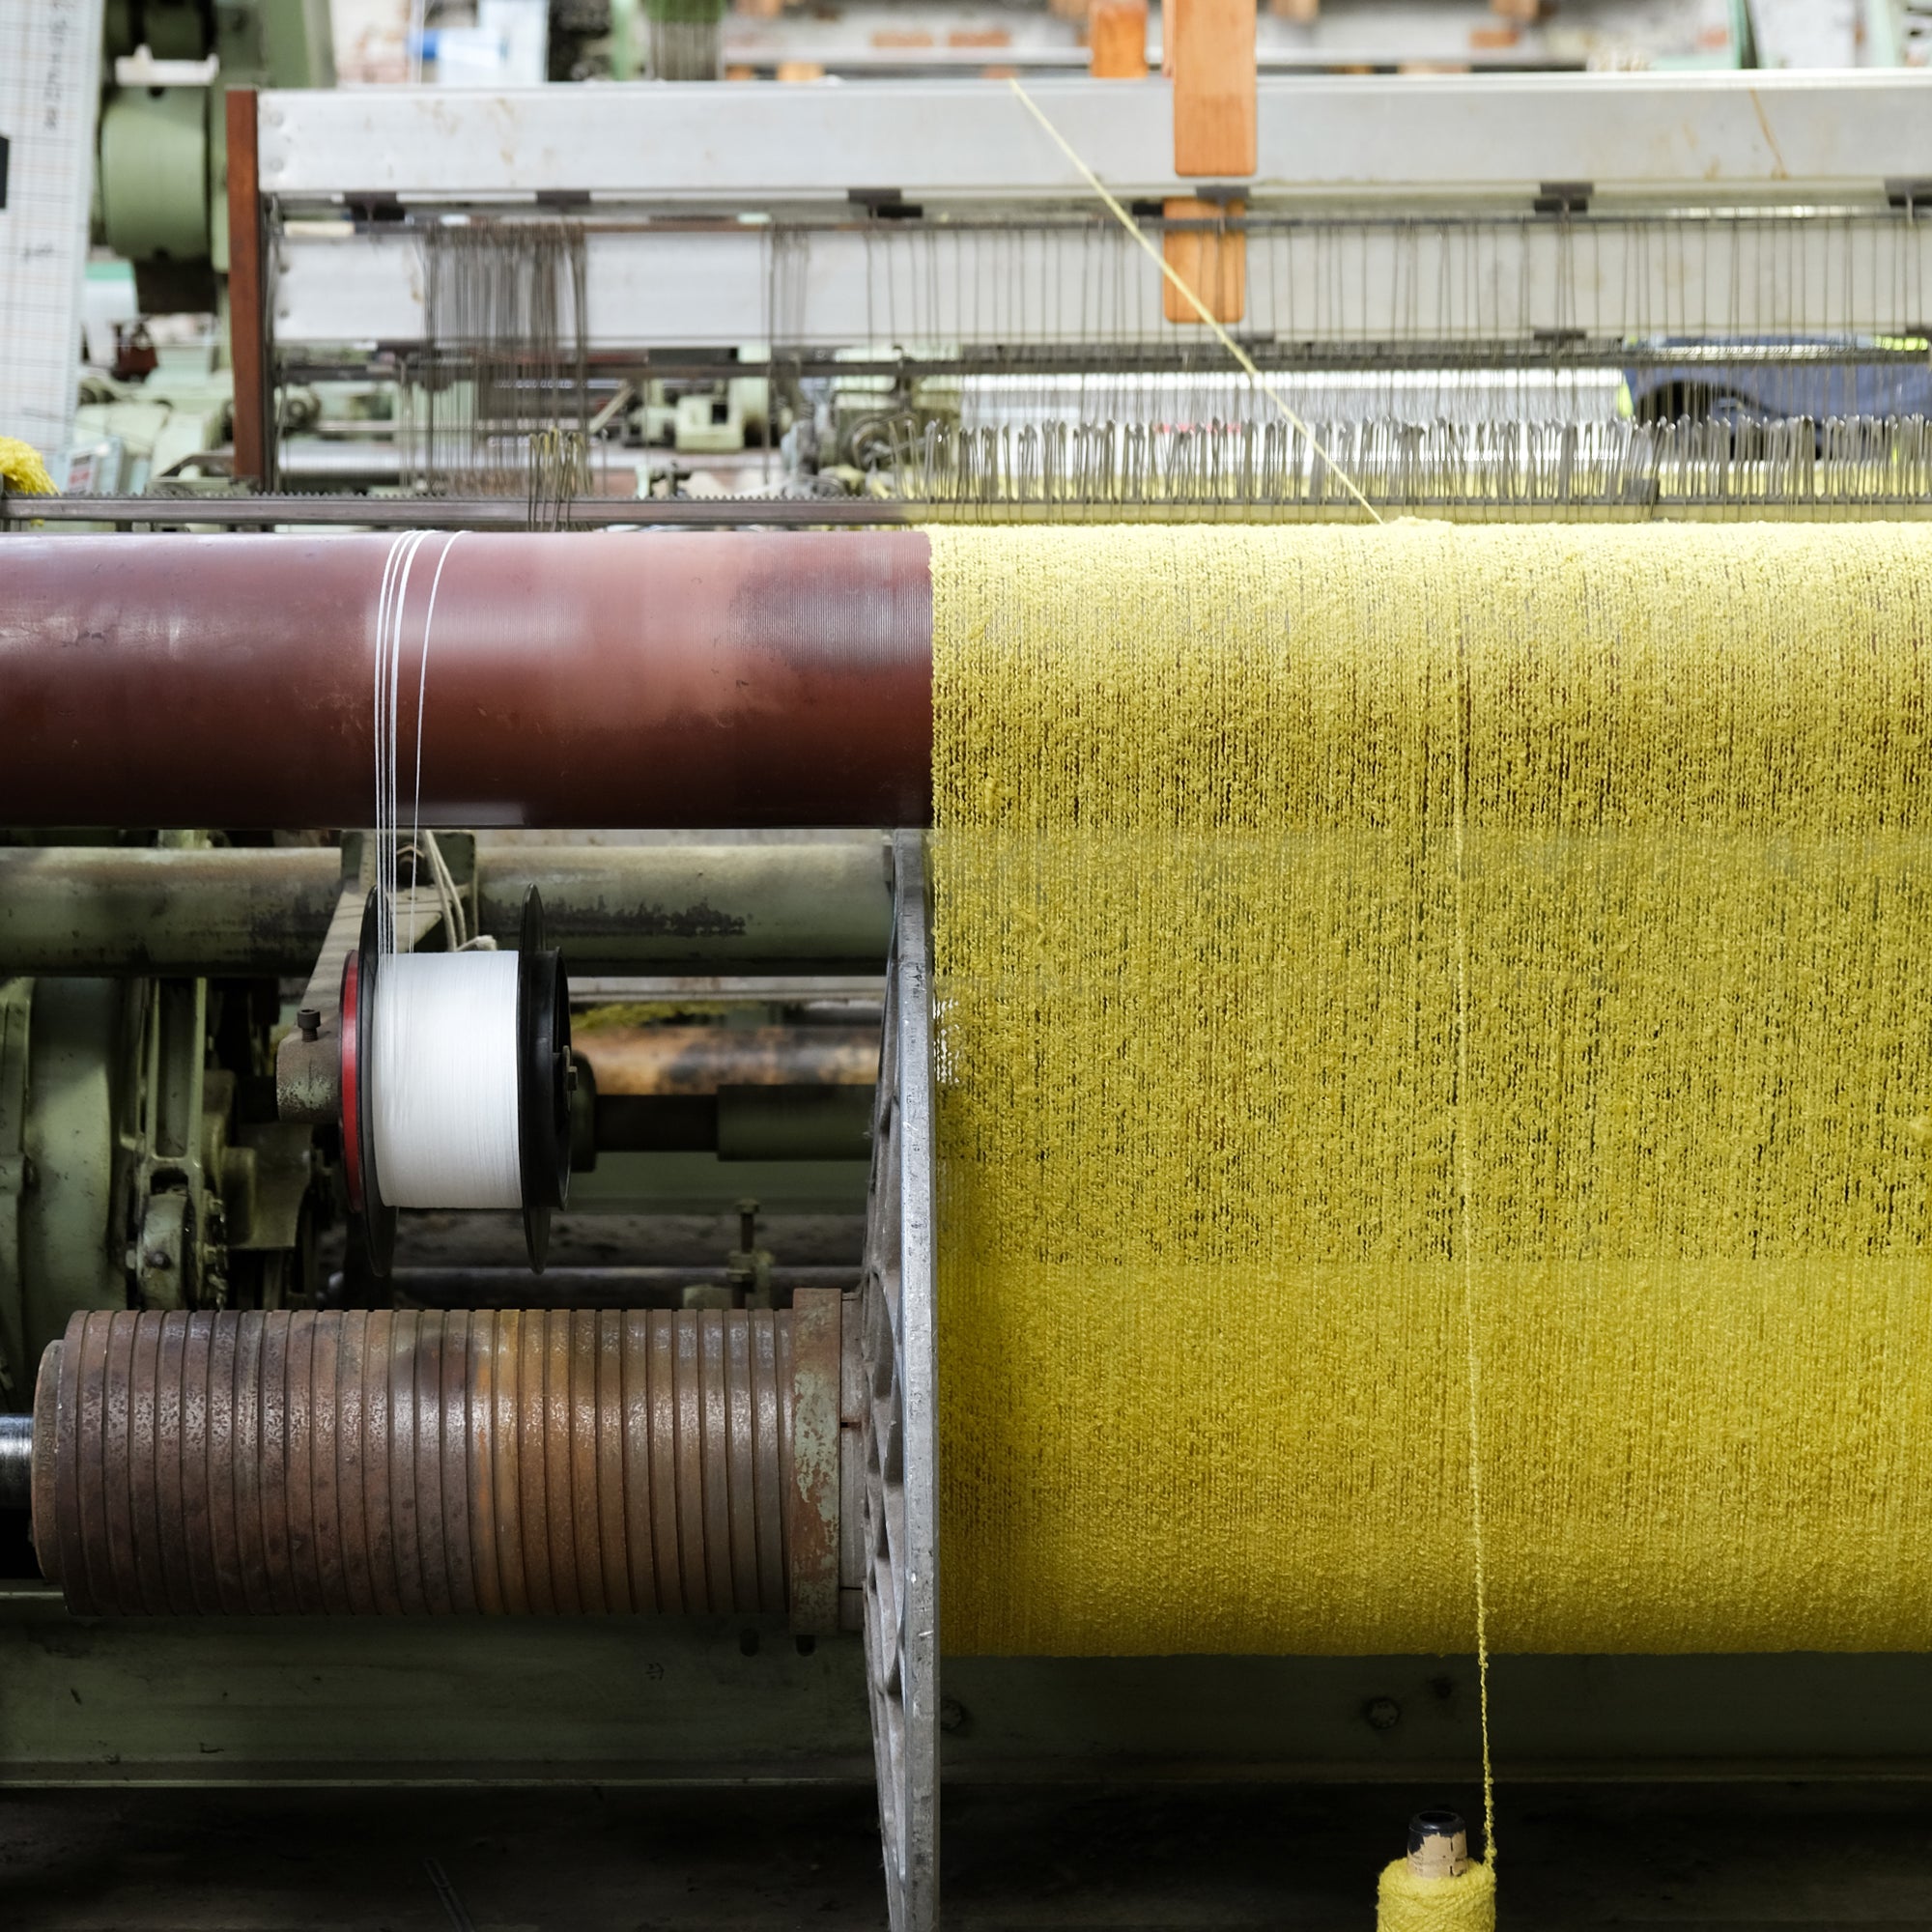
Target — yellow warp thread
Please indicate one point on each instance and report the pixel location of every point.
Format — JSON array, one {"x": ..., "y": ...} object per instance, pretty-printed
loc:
[
  {"x": 1204, "y": 1375},
  {"x": 1172, "y": 275},
  {"x": 1466, "y": 1903},
  {"x": 22, "y": 469}
]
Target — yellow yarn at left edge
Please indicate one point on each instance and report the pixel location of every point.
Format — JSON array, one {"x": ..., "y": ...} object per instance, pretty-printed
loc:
[
  {"x": 22, "y": 469},
  {"x": 1405, "y": 1903}
]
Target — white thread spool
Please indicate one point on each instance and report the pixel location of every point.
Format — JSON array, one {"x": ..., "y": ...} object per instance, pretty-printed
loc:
[{"x": 442, "y": 1081}]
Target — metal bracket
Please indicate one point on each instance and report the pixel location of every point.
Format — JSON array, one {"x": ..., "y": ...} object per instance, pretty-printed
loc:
[
  {"x": 898, "y": 1343},
  {"x": 308, "y": 1064},
  {"x": 812, "y": 1466},
  {"x": 1564, "y": 197},
  {"x": 177, "y": 1250}
]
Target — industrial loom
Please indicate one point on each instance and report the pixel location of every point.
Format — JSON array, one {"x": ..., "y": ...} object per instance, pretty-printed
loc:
[{"x": 1398, "y": 759}]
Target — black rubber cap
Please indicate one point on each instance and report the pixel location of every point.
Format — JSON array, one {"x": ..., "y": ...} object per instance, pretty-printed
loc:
[{"x": 1427, "y": 1825}]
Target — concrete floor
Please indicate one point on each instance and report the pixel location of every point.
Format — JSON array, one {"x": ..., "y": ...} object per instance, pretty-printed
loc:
[{"x": 1818, "y": 1855}]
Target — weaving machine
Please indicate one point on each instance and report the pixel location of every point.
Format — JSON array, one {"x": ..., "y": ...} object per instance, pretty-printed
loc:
[
  {"x": 1735, "y": 1184},
  {"x": 1583, "y": 293},
  {"x": 1401, "y": 1106}
]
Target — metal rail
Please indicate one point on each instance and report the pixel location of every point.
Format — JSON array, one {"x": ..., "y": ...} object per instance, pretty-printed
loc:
[
  {"x": 1446, "y": 137},
  {"x": 447, "y": 513},
  {"x": 900, "y": 1342},
  {"x": 741, "y": 908},
  {"x": 1643, "y": 502},
  {"x": 93, "y": 909},
  {"x": 641, "y": 1286}
]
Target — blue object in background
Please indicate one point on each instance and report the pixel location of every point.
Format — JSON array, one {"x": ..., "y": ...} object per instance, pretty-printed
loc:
[{"x": 1772, "y": 379}]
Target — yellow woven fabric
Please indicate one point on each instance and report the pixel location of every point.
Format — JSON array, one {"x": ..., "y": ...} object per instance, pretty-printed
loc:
[
  {"x": 22, "y": 469},
  {"x": 1198, "y": 920},
  {"x": 1405, "y": 1903}
]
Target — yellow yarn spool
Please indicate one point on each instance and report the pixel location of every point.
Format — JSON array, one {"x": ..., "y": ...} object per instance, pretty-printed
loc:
[
  {"x": 1200, "y": 909},
  {"x": 1405, "y": 1903},
  {"x": 22, "y": 469}
]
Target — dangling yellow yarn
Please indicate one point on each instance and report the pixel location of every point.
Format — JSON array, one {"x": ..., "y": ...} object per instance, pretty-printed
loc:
[
  {"x": 1405, "y": 1903},
  {"x": 21, "y": 469}
]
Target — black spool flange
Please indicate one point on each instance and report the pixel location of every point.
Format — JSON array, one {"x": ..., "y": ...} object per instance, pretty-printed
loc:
[
  {"x": 379, "y": 1220},
  {"x": 543, "y": 1078}
]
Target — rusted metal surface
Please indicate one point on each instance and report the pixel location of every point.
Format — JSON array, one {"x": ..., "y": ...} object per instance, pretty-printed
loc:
[
  {"x": 576, "y": 1462},
  {"x": 643, "y": 1285},
  {"x": 308, "y": 1072},
  {"x": 741, "y": 906},
  {"x": 811, "y": 1447},
  {"x": 655, "y": 678},
  {"x": 633, "y": 1059},
  {"x": 802, "y": 908}
]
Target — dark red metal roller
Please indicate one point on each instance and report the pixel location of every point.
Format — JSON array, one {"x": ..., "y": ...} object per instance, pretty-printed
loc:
[{"x": 667, "y": 679}]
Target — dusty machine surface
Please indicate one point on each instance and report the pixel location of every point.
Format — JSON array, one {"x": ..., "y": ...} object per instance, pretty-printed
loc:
[{"x": 487, "y": 1205}]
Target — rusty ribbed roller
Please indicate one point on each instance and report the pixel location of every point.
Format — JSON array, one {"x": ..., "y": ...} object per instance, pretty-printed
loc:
[{"x": 572, "y": 1462}]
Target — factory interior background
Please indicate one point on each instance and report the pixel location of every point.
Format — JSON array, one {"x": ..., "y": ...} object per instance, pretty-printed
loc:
[{"x": 963, "y": 964}]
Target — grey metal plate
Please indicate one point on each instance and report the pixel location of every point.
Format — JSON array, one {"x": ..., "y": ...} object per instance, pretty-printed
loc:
[
  {"x": 1447, "y": 136},
  {"x": 617, "y": 1701},
  {"x": 899, "y": 1345}
]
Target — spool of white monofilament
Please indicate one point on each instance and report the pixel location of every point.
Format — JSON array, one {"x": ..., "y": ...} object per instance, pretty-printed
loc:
[{"x": 442, "y": 1080}]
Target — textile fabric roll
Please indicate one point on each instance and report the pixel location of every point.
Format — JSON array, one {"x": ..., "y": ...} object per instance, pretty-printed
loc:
[{"x": 1332, "y": 925}]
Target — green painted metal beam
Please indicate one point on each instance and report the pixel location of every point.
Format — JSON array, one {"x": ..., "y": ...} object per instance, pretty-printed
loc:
[
  {"x": 69, "y": 909},
  {"x": 642, "y": 1700},
  {"x": 626, "y": 908},
  {"x": 740, "y": 907}
]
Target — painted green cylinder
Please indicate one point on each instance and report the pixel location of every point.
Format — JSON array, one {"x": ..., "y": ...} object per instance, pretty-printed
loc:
[{"x": 154, "y": 173}]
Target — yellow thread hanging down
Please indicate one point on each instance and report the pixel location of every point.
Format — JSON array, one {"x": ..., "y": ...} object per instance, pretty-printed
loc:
[
  {"x": 1465, "y": 1231},
  {"x": 1194, "y": 302},
  {"x": 1230, "y": 1172}
]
